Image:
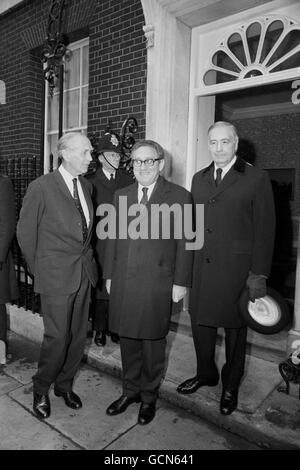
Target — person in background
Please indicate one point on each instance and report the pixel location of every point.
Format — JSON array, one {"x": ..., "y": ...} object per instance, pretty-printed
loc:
[
  {"x": 106, "y": 180},
  {"x": 239, "y": 232},
  {"x": 8, "y": 282},
  {"x": 54, "y": 232}
]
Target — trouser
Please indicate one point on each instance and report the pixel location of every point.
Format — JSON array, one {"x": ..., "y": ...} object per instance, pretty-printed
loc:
[
  {"x": 3, "y": 323},
  {"x": 143, "y": 363},
  {"x": 65, "y": 320},
  {"x": 100, "y": 315},
  {"x": 235, "y": 351}
]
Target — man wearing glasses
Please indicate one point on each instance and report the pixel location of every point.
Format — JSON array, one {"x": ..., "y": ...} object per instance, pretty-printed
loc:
[{"x": 144, "y": 275}]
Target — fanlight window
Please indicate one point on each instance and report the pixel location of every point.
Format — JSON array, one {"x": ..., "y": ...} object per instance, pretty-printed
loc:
[{"x": 267, "y": 45}]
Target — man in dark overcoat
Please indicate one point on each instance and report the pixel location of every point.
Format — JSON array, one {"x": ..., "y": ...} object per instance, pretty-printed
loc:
[
  {"x": 144, "y": 274},
  {"x": 54, "y": 232},
  {"x": 106, "y": 180},
  {"x": 8, "y": 282},
  {"x": 239, "y": 226}
]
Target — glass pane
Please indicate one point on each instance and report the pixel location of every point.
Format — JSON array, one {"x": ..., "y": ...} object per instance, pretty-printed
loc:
[
  {"x": 85, "y": 65},
  {"x": 235, "y": 44},
  {"x": 291, "y": 40},
  {"x": 212, "y": 77},
  {"x": 290, "y": 63},
  {"x": 72, "y": 70},
  {"x": 273, "y": 32},
  {"x": 71, "y": 109},
  {"x": 253, "y": 36},
  {"x": 221, "y": 59},
  {"x": 84, "y": 104},
  {"x": 52, "y": 144},
  {"x": 52, "y": 113}
]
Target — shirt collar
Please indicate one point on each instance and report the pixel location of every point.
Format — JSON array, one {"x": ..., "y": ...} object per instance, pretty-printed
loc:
[
  {"x": 66, "y": 175},
  {"x": 108, "y": 173},
  {"x": 226, "y": 168}
]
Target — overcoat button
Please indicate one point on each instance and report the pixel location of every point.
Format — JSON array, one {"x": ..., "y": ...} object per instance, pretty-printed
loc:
[{"x": 207, "y": 260}]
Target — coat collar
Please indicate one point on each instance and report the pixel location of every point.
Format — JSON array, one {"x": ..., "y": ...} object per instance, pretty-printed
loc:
[
  {"x": 230, "y": 178},
  {"x": 239, "y": 166}
]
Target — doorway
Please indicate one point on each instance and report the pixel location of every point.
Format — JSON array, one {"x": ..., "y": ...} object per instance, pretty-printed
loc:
[{"x": 268, "y": 124}]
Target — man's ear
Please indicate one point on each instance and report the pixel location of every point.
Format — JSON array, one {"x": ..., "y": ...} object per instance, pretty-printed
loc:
[
  {"x": 161, "y": 164},
  {"x": 236, "y": 143},
  {"x": 65, "y": 155}
]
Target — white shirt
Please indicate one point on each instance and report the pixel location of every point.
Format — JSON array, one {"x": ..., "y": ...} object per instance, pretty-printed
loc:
[
  {"x": 149, "y": 192},
  {"x": 68, "y": 179},
  {"x": 225, "y": 169},
  {"x": 108, "y": 173}
]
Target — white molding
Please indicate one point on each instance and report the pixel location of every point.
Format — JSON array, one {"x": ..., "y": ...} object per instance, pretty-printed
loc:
[
  {"x": 272, "y": 109},
  {"x": 7, "y": 4}
]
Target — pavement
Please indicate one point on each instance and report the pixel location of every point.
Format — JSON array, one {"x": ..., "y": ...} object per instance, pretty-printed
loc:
[
  {"x": 90, "y": 428},
  {"x": 264, "y": 418}
]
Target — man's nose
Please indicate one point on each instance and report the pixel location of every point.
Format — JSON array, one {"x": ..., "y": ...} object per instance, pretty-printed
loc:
[
  {"x": 89, "y": 157},
  {"x": 219, "y": 146}
]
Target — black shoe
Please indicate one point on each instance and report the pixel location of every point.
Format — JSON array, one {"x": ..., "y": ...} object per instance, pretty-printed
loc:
[
  {"x": 229, "y": 401},
  {"x": 191, "y": 385},
  {"x": 71, "y": 399},
  {"x": 41, "y": 405},
  {"x": 146, "y": 413},
  {"x": 100, "y": 338},
  {"x": 120, "y": 405},
  {"x": 114, "y": 337}
]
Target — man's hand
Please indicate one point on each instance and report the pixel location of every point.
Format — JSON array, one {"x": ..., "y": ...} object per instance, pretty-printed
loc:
[
  {"x": 178, "y": 293},
  {"x": 107, "y": 285},
  {"x": 256, "y": 284}
]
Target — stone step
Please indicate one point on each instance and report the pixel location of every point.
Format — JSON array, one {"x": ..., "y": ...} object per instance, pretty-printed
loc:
[{"x": 269, "y": 347}]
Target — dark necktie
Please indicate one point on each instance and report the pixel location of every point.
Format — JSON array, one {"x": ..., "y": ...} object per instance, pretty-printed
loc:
[
  {"x": 144, "y": 199},
  {"x": 219, "y": 176},
  {"x": 111, "y": 177},
  {"x": 79, "y": 207}
]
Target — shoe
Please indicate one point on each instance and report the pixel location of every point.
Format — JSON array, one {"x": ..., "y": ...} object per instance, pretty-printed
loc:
[
  {"x": 71, "y": 399},
  {"x": 114, "y": 337},
  {"x": 191, "y": 385},
  {"x": 146, "y": 413},
  {"x": 120, "y": 405},
  {"x": 100, "y": 338},
  {"x": 229, "y": 401},
  {"x": 41, "y": 405}
]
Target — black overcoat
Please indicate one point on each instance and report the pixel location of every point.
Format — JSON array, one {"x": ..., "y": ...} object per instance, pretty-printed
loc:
[
  {"x": 8, "y": 282},
  {"x": 239, "y": 226},
  {"x": 103, "y": 193},
  {"x": 143, "y": 271}
]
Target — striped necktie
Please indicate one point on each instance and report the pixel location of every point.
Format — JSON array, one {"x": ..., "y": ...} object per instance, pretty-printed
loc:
[{"x": 79, "y": 207}]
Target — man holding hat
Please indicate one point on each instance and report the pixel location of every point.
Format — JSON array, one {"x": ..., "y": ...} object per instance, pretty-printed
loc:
[{"x": 106, "y": 180}]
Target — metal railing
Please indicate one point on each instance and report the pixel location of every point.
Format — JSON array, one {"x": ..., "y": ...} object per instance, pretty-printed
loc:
[{"x": 21, "y": 171}]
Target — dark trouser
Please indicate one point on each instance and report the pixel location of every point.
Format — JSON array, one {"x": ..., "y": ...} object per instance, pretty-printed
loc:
[
  {"x": 100, "y": 315},
  {"x": 3, "y": 323},
  {"x": 143, "y": 363},
  {"x": 235, "y": 350},
  {"x": 65, "y": 325}
]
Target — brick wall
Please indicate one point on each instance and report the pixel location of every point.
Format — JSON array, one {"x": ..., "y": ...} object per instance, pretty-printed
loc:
[
  {"x": 117, "y": 65},
  {"x": 117, "y": 68}
]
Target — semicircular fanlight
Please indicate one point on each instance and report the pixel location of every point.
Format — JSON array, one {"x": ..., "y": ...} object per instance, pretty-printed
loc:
[{"x": 266, "y": 45}]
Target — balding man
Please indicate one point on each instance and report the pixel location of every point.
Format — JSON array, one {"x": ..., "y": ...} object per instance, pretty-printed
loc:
[
  {"x": 54, "y": 233},
  {"x": 237, "y": 252}
]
